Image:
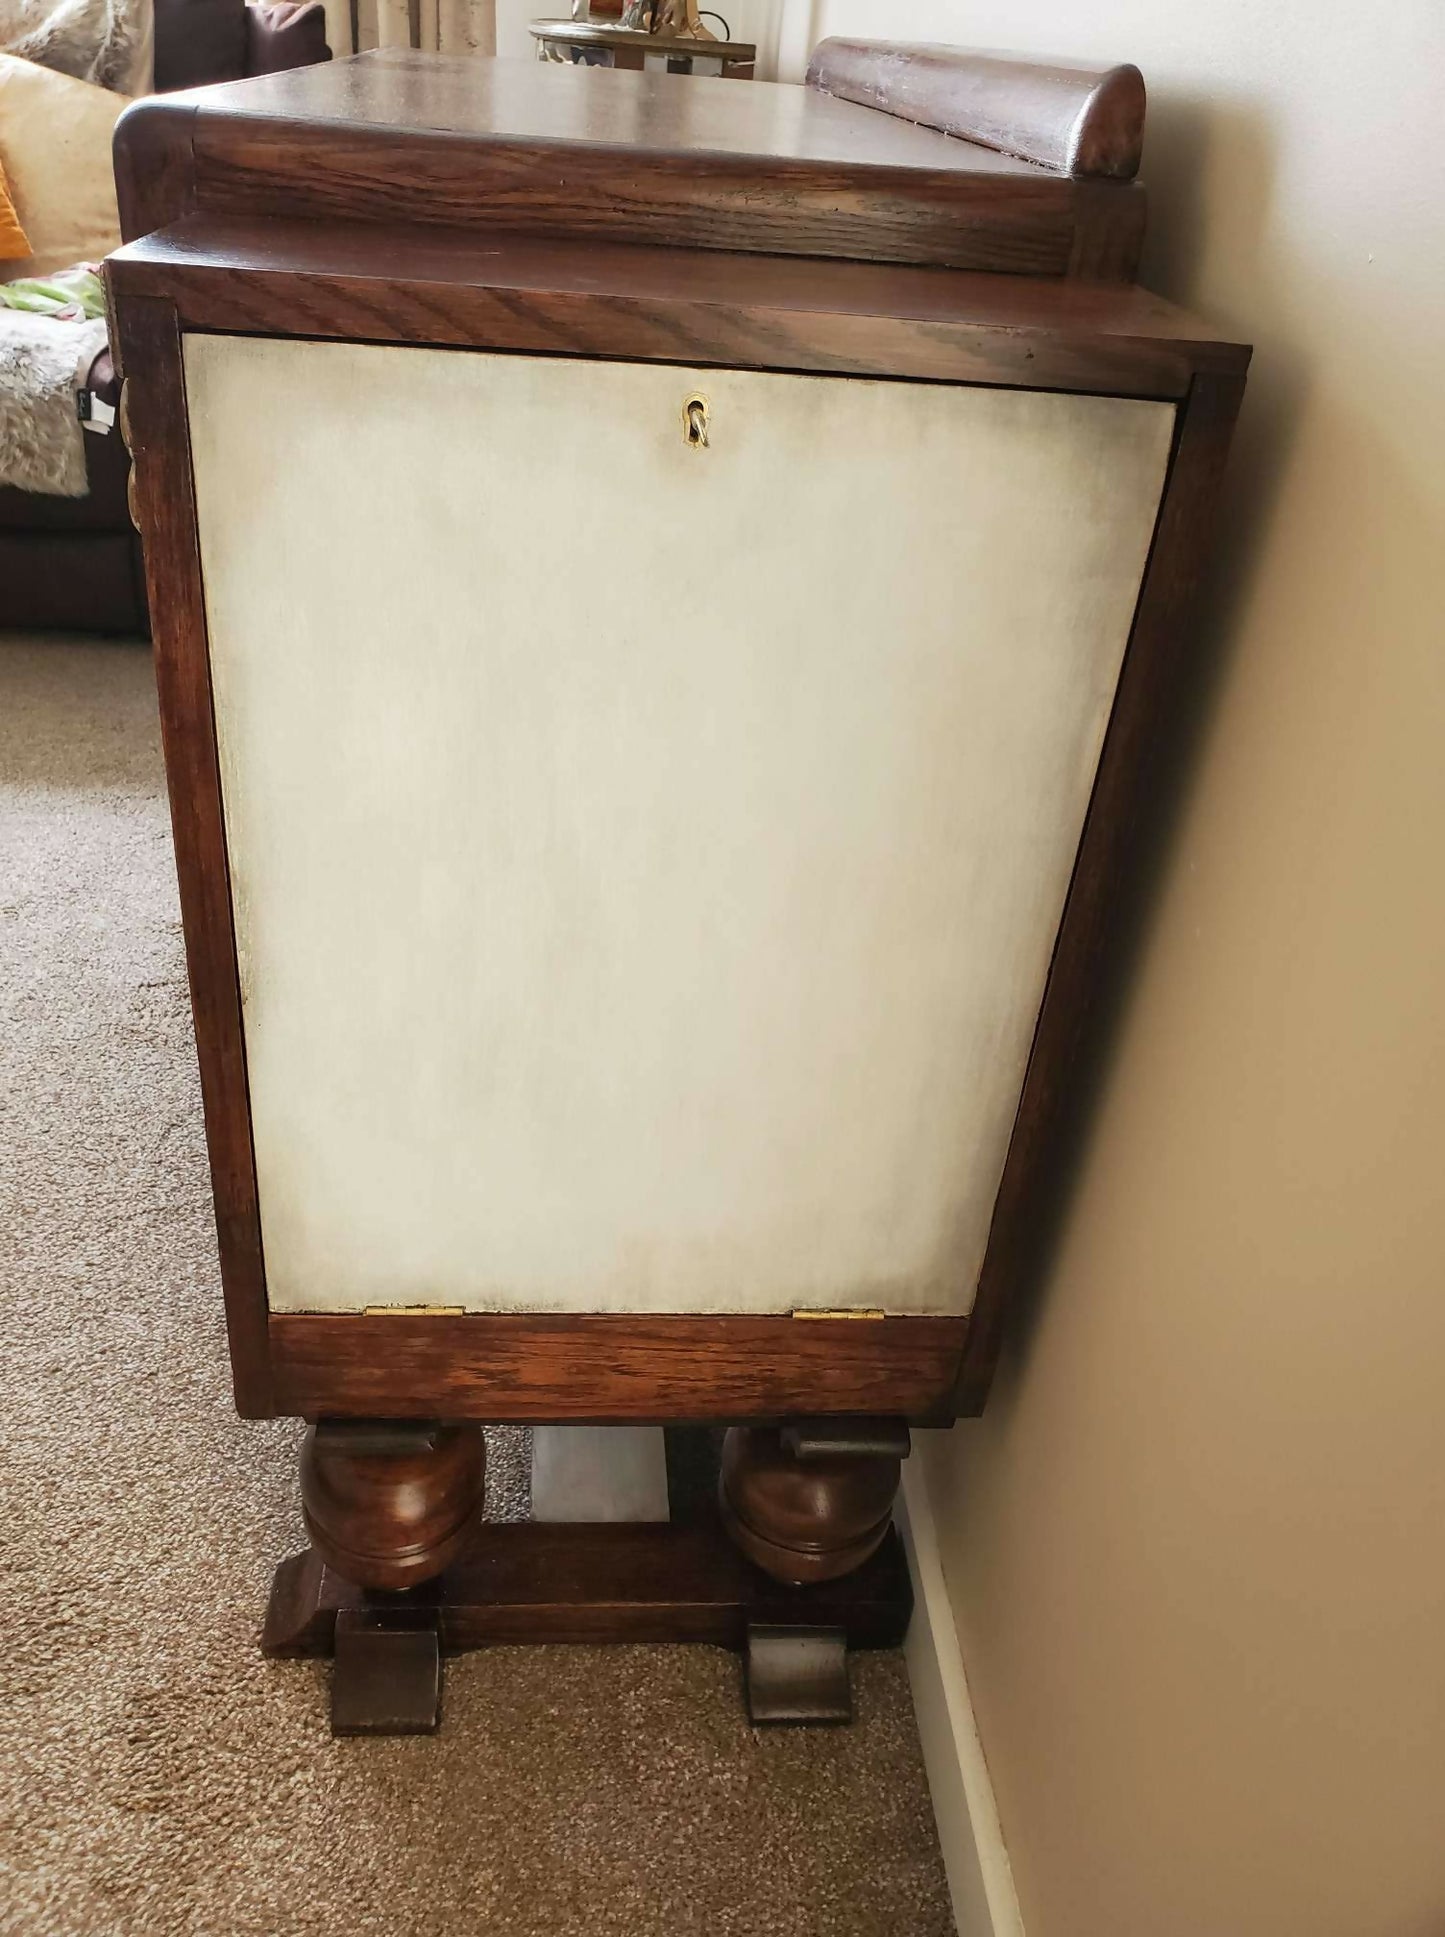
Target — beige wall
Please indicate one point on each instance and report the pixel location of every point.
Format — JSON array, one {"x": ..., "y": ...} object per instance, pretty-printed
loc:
[{"x": 1197, "y": 1547}]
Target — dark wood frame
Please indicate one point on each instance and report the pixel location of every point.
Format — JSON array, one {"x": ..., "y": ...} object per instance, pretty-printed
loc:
[
  {"x": 246, "y": 152},
  {"x": 220, "y": 272}
]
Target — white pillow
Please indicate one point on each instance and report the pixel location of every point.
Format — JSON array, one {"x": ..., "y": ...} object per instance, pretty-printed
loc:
[{"x": 55, "y": 143}]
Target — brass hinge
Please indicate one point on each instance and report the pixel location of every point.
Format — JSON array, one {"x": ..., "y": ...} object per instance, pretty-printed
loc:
[
  {"x": 853, "y": 1312},
  {"x": 413, "y": 1311}
]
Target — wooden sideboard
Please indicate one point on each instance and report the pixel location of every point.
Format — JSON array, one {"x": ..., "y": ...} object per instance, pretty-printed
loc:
[{"x": 664, "y": 597}]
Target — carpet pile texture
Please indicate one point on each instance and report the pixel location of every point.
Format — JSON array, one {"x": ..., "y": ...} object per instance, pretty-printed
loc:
[{"x": 156, "y": 1775}]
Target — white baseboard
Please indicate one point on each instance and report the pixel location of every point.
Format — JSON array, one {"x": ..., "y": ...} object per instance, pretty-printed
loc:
[{"x": 979, "y": 1879}]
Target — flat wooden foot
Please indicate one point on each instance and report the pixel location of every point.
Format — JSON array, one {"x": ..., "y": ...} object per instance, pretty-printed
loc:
[
  {"x": 795, "y": 1674},
  {"x": 301, "y": 1613},
  {"x": 387, "y": 1677}
]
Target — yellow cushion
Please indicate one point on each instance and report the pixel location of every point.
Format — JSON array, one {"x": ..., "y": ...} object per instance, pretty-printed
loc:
[
  {"x": 13, "y": 239},
  {"x": 55, "y": 150}
]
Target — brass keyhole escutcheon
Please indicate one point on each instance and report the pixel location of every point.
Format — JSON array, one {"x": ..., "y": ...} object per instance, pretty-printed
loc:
[{"x": 694, "y": 422}]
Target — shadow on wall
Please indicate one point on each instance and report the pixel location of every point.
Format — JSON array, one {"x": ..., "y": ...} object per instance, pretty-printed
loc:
[
  {"x": 1194, "y": 146},
  {"x": 1318, "y": 488},
  {"x": 1224, "y": 150}
]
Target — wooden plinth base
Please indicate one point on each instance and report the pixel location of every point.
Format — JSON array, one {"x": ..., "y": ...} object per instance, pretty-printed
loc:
[
  {"x": 532, "y": 1583},
  {"x": 681, "y": 1580}
]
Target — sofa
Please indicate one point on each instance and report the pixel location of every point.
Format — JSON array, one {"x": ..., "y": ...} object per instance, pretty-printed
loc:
[{"x": 74, "y": 564}]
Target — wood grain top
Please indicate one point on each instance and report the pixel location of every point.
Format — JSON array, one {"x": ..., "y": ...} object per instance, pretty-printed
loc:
[
  {"x": 595, "y": 107},
  {"x": 585, "y": 153},
  {"x": 615, "y": 272},
  {"x": 539, "y": 296},
  {"x": 1067, "y": 116}
]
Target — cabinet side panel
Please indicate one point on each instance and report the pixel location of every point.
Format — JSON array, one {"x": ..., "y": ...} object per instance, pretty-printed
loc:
[
  {"x": 647, "y": 858},
  {"x": 146, "y": 334}
]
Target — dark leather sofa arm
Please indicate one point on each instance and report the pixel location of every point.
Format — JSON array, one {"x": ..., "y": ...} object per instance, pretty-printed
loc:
[
  {"x": 284, "y": 34},
  {"x": 202, "y": 41}
]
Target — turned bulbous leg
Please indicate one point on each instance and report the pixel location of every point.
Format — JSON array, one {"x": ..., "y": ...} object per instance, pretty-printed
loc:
[
  {"x": 389, "y": 1506},
  {"x": 805, "y": 1510}
]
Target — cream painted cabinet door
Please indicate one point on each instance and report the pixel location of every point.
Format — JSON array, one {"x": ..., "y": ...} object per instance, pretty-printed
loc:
[{"x": 647, "y": 857}]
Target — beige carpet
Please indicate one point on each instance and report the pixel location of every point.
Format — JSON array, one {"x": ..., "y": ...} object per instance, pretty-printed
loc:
[{"x": 156, "y": 1776}]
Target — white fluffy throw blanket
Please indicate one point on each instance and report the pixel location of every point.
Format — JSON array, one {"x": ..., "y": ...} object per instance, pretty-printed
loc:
[
  {"x": 107, "y": 42},
  {"x": 42, "y": 446}
]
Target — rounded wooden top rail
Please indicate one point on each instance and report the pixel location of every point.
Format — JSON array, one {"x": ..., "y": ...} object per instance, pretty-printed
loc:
[{"x": 1071, "y": 119}]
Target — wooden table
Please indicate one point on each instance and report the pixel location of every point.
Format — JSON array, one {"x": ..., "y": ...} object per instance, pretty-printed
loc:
[{"x": 600, "y": 43}]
